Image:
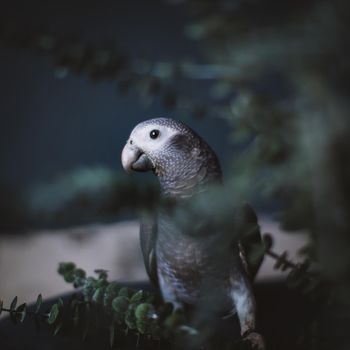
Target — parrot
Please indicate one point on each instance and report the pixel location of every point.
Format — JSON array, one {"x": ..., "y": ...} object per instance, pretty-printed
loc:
[{"x": 190, "y": 269}]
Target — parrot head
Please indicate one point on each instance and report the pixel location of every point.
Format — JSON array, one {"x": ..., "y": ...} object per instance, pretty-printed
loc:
[{"x": 178, "y": 156}]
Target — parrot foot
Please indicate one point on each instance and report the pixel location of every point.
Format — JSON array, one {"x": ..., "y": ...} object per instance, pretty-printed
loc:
[{"x": 256, "y": 340}]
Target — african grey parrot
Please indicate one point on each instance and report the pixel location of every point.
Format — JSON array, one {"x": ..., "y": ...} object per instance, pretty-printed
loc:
[{"x": 189, "y": 268}]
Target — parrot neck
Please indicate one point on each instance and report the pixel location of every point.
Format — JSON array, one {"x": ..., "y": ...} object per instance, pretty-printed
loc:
[
  {"x": 186, "y": 168},
  {"x": 182, "y": 190},
  {"x": 180, "y": 185}
]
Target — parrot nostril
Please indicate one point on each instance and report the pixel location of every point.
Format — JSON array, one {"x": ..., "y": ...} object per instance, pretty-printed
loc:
[{"x": 130, "y": 142}]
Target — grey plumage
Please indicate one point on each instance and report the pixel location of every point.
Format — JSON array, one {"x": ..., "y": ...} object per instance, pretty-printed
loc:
[{"x": 189, "y": 269}]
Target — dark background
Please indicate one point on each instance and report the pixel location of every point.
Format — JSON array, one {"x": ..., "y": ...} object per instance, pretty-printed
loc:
[{"x": 50, "y": 125}]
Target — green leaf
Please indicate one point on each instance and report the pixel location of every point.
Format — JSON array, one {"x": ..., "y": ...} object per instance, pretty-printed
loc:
[
  {"x": 89, "y": 288},
  {"x": 130, "y": 318},
  {"x": 113, "y": 287},
  {"x": 69, "y": 276},
  {"x": 68, "y": 270},
  {"x": 21, "y": 312},
  {"x": 80, "y": 273},
  {"x": 79, "y": 278},
  {"x": 110, "y": 293},
  {"x": 101, "y": 282},
  {"x": 98, "y": 295},
  {"x": 125, "y": 292},
  {"x": 143, "y": 310},
  {"x": 120, "y": 305},
  {"x": 144, "y": 314},
  {"x": 102, "y": 274},
  {"x": 38, "y": 303},
  {"x": 53, "y": 315},
  {"x": 65, "y": 267},
  {"x": 13, "y": 304},
  {"x": 138, "y": 297}
]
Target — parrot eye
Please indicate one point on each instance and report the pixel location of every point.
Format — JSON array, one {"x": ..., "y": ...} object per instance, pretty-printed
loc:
[{"x": 154, "y": 134}]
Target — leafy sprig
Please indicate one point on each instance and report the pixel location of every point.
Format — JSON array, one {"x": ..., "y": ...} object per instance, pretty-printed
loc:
[
  {"x": 52, "y": 317},
  {"x": 299, "y": 276},
  {"x": 127, "y": 310}
]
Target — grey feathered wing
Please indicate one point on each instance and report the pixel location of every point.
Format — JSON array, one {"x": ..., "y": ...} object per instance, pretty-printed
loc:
[{"x": 148, "y": 237}]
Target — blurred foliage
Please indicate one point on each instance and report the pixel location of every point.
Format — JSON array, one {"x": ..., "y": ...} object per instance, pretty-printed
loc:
[
  {"x": 278, "y": 72},
  {"x": 81, "y": 195},
  {"x": 88, "y": 193}
]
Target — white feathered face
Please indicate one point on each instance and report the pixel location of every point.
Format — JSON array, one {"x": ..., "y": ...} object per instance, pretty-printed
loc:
[
  {"x": 151, "y": 137},
  {"x": 147, "y": 140}
]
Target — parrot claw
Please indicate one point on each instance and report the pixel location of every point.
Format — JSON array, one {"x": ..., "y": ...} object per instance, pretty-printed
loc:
[{"x": 256, "y": 340}]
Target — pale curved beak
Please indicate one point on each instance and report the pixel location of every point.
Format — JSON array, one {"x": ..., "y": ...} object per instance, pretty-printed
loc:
[
  {"x": 129, "y": 155},
  {"x": 134, "y": 159}
]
